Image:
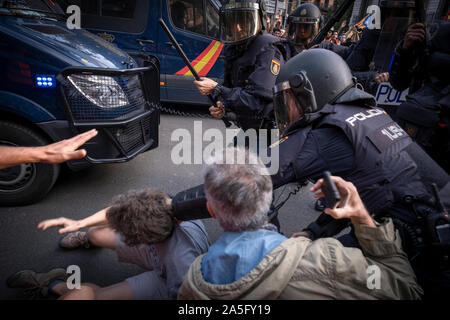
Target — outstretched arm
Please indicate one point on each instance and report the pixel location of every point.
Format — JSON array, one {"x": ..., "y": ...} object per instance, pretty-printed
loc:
[
  {"x": 54, "y": 153},
  {"x": 69, "y": 225}
]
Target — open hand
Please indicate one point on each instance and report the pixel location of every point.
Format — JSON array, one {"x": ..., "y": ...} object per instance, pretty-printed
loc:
[
  {"x": 68, "y": 225},
  {"x": 66, "y": 149}
]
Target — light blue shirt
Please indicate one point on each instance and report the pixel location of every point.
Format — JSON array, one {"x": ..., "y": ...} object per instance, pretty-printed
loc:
[{"x": 235, "y": 254}]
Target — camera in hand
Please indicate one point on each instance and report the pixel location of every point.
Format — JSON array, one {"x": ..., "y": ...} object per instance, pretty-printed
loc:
[{"x": 330, "y": 191}]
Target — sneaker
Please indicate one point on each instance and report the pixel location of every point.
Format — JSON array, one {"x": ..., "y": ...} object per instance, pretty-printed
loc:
[
  {"x": 75, "y": 240},
  {"x": 35, "y": 284}
]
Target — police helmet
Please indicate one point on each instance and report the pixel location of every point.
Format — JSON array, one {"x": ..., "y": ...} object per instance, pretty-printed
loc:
[
  {"x": 305, "y": 22},
  {"x": 307, "y": 82},
  {"x": 241, "y": 20}
]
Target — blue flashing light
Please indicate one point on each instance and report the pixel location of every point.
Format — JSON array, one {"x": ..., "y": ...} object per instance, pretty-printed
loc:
[{"x": 44, "y": 81}]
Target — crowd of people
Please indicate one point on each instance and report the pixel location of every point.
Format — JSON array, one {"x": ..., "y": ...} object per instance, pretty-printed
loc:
[
  {"x": 339, "y": 37},
  {"x": 326, "y": 123}
]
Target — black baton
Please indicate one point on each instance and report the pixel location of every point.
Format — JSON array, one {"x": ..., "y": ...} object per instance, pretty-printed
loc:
[{"x": 188, "y": 63}]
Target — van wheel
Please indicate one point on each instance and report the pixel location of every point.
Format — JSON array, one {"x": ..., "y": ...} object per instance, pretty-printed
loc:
[{"x": 27, "y": 183}]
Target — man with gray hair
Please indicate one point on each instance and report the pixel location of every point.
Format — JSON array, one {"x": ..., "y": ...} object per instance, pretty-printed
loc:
[
  {"x": 240, "y": 193},
  {"x": 248, "y": 261}
]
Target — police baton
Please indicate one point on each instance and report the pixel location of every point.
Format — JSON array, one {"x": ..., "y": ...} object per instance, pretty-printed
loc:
[{"x": 188, "y": 63}]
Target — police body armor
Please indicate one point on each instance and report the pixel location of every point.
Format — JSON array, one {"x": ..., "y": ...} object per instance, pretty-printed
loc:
[
  {"x": 241, "y": 62},
  {"x": 383, "y": 172},
  {"x": 390, "y": 184}
]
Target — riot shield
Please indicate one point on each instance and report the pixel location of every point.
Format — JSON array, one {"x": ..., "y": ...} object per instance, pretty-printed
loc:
[
  {"x": 392, "y": 32},
  {"x": 432, "y": 27}
]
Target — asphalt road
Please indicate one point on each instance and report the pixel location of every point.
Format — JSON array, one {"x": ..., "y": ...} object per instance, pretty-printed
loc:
[{"x": 79, "y": 194}]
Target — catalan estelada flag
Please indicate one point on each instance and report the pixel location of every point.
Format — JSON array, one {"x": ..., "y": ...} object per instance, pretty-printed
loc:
[
  {"x": 361, "y": 24},
  {"x": 205, "y": 61}
]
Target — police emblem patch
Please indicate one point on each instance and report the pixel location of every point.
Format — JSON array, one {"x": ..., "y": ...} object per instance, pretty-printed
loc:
[{"x": 275, "y": 67}]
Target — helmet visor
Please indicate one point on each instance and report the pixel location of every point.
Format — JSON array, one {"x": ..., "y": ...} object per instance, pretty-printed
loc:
[
  {"x": 304, "y": 31},
  {"x": 239, "y": 25},
  {"x": 287, "y": 109}
]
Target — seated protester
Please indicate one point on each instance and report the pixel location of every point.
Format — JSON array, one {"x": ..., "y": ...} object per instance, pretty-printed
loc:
[
  {"x": 249, "y": 262},
  {"x": 141, "y": 228}
]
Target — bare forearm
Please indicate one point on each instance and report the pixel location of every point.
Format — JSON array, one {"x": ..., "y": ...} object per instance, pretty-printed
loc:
[
  {"x": 12, "y": 156},
  {"x": 96, "y": 219},
  {"x": 365, "y": 221}
]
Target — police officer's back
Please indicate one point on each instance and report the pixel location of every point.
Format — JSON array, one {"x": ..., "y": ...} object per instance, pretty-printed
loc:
[{"x": 330, "y": 125}]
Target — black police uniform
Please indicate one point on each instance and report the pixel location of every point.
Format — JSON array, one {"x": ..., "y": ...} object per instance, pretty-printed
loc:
[
  {"x": 425, "y": 114},
  {"x": 360, "y": 143},
  {"x": 250, "y": 74}
]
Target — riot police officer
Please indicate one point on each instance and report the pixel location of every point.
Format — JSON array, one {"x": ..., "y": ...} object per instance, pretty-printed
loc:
[
  {"x": 423, "y": 67},
  {"x": 253, "y": 59},
  {"x": 330, "y": 125},
  {"x": 304, "y": 24}
]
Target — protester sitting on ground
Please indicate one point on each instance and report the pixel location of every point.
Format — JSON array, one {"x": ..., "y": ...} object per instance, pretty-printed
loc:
[
  {"x": 249, "y": 262},
  {"x": 58, "y": 152},
  {"x": 139, "y": 226}
]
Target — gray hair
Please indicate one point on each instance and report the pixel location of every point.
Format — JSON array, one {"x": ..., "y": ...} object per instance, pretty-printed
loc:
[{"x": 239, "y": 194}]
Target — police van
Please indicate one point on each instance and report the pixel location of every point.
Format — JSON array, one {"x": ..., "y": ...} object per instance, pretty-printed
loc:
[
  {"x": 133, "y": 26},
  {"x": 58, "y": 82}
]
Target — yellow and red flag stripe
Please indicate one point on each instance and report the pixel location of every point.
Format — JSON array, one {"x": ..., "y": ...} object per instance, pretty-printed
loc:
[
  {"x": 205, "y": 61},
  {"x": 360, "y": 24}
]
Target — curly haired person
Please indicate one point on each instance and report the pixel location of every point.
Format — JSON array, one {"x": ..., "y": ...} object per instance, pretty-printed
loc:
[{"x": 139, "y": 226}]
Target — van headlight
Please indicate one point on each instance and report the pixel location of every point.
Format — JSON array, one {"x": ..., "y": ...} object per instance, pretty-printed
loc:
[{"x": 103, "y": 91}]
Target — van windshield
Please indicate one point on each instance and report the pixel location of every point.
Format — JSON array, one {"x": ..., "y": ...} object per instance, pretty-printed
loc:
[{"x": 35, "y": 8}]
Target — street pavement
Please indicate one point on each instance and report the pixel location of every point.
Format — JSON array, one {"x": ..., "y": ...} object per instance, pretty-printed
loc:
[{"x": 79, "y": 194}]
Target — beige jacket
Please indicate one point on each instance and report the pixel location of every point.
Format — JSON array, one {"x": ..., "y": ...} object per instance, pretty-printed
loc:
[{"x": 323, "y": 269}]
